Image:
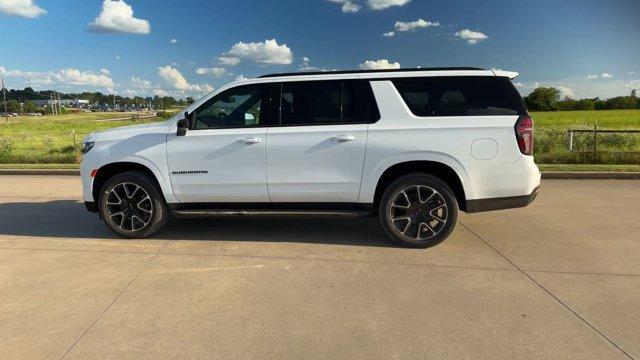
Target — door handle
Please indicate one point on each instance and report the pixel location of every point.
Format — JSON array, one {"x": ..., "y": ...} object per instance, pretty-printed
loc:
[
  {"x": 343, "y": 138},
  {"x": 252, "y": 140}
]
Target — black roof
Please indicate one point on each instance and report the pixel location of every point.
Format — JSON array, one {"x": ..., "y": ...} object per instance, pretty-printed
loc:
[{"x": 368, "y": 71}]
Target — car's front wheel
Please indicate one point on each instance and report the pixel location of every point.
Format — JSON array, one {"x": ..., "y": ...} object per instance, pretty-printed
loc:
[
  {"x": 418, "y": 210},
  {"x": 132, "y": 206}
]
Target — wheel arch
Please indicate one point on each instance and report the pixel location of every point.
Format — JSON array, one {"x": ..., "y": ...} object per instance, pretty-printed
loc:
[
  {"x": 438, "y": 169},
  {"x": 110, "y": 170}
]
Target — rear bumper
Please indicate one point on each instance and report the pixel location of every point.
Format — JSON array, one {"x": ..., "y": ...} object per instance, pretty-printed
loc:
[{"x": 480, "y": 205}]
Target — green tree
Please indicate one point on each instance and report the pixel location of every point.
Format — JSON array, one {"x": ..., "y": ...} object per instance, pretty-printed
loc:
[
  {"x": 621, "y": 102},
  {"x": 190, "y": 100},
  {"x": 13, "y": 106},
  {"x": 30, "y": 107},
  {"x": 543, "y": 99}
]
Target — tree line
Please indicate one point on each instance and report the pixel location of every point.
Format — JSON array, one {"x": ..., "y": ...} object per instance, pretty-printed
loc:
[
  {"x": 23, "y": 100},
  {"x": 549, "y": 99}
]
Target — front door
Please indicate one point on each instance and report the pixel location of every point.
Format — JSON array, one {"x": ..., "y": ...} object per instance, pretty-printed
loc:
[{"x": 222, "y": 157}]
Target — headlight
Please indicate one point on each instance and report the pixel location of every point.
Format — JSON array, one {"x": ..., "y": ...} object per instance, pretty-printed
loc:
[{"x": 87, "y": 146}]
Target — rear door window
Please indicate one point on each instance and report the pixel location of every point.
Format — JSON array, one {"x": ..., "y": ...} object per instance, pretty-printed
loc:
[
  {"x": 460, "y": 96},
  {"x": 327, "y": 102},
  {"x": 309, "y": 103}
]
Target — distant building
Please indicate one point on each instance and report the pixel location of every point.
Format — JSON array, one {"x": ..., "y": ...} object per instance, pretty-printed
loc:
[{"x": 63, "y": 102}]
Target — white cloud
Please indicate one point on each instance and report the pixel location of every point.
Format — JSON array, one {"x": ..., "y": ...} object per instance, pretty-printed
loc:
[
  {"x": 105, "y": 72},
  {"x": 174, "y": 78},
  {"x": 606, "y": 76},
  {"x": 381, "y": 64},
  {"x": 214, "y": 71},
  {"x": 117, "y": 17},
  {"x": 633, "y": 84},
  {"x": 348, "y": 6},
  {"x": 472, "y": 37},
  {"x": 117, "y": 57},
  {"x": 632, "y": 72},
  {"x": 228, "y": 61},
  {"x": 565, "y": 91},
  {"x": 77, "y": 77},
  {"x": 384, "y": 4},
  {"x": 173, "y": 41},
  {"x": 306, "y": 65},
  {"x": 139, "y": 83},
  {"x": 265, "y": 53},
  {"x": 389, "y": 34},
  {"x": 241, "y": 78},
  {"x": 24, "y": 8},
  {"x": 592, "y": 76},
  {"x": 412, "y": 25},
  {"x": 160, "y": 92},
  {"x": 67, "y": 76},
  {"x": 2, "y": 70}
]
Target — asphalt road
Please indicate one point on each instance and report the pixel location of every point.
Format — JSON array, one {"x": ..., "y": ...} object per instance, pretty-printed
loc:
[{"x": 557, "y": 280}]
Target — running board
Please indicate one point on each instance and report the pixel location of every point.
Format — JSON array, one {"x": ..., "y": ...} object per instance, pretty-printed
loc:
[{"x": 270, "y": 213}]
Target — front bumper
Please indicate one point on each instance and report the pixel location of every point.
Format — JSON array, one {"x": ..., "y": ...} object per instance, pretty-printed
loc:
[
  {"x": 91, "y": 206},
  {"x": 511, "y": 202}
]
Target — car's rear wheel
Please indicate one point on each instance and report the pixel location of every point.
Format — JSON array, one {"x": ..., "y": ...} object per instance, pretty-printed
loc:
[
  {"x": 131, "y": 205},
  {"x": 418, "y": 210}
]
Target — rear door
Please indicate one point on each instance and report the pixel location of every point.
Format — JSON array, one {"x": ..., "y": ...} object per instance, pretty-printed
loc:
[{"x": 317, "y": 152}]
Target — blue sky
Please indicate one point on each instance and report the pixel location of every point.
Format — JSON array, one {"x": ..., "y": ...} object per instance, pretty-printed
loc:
[{"x": 587, "y": 48}]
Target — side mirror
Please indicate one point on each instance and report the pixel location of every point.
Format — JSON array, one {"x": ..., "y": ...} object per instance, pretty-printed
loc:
[
  {"x": 183, "y": 125},
  {"x": 249, "y": 119}
]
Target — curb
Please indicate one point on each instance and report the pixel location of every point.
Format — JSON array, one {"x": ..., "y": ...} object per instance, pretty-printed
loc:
[
  {"x": 593, "y": 175},
  {"x": 545, "y": 174},
  {"x": 67, "y": 172}
]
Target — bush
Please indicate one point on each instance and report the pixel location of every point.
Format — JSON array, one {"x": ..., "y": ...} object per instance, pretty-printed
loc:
[
  {"x": 7, "y": 145},
  {"x": 164, "y": 114}
]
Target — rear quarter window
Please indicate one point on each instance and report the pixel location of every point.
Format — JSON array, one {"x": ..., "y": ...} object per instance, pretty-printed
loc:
[{"x": 460, "y": 96}]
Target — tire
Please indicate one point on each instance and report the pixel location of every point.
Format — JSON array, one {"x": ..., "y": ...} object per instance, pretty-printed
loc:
[
  {"x": 141, "y": 210},
  {"x": 418, "y": 222}
]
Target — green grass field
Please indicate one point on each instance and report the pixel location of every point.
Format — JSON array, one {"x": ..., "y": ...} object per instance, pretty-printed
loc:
[
  {"x": 50, "y": 139},
  {"x": 605, "y": 119},
  {"x": 54, "y": 139}
]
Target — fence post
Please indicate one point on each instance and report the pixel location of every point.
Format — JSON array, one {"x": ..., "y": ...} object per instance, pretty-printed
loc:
[
  {"x": 73, "y": 132},
  {"x": 571, "y": 140},
  {"x": 595, "y": 139}
]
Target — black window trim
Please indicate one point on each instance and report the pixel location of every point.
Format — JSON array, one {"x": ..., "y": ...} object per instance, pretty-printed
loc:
[
  {"x": 521, "y": 112},
  {"x": 267, "y": 85},
  {"x": 275, "y": 107},
  {"x": 369, "y": 98}
]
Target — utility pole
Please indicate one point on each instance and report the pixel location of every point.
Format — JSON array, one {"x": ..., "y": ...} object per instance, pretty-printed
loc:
[
  {"x": 53, "y": 108},
  {"x": 59, "y": 105},
  {"x": 114, "y": 102},
  {"x": 4, "y": 98}
]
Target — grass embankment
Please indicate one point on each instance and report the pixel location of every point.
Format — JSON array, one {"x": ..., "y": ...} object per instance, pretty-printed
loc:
[{"x": 54, "y": 139}]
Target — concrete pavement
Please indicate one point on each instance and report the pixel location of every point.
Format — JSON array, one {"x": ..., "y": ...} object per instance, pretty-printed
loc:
[{"x": 559, "y": 279}]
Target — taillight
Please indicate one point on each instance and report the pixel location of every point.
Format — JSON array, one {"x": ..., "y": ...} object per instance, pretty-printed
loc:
[{"x": 524, "y": 134}]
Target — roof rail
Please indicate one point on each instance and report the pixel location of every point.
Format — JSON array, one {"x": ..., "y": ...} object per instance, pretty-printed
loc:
[{"x": 367, "y": 71}]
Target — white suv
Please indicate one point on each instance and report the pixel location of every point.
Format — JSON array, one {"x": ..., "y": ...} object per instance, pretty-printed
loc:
[{"x": 409, "y": 146}]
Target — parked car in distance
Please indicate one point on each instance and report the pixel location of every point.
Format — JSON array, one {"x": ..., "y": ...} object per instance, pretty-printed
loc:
[{"x": 412, "y": 147}]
